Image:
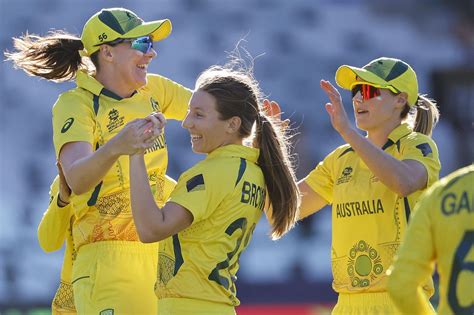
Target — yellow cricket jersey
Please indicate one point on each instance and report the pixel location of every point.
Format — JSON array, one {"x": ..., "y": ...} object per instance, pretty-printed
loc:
[
  {"x": 441, "y": 230},
  {"x": 54, "y": 228},
  {"x": 94, "y": 114},
  {"x": 368, "y": 219},
  {"x": 226, "y": 195}
]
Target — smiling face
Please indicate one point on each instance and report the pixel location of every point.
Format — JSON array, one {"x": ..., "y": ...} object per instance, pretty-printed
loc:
[
  {"x": 131, "y": 65},
  {"x": 123, "y": 69},
  {"x": 208, "y": 132},
  {"x": 381, "y": 112}
]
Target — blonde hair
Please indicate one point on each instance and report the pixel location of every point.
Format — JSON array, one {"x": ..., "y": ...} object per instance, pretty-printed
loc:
[{"x": 424, "y": 115}]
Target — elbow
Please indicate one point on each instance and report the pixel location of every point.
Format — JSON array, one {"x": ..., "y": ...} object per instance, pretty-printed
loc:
[
  {"x": 404, "y": 189},
  {"x": 147, "y": 235},
  {"x": 78, "y": 189},
  {"x": 47, "y": 245}
]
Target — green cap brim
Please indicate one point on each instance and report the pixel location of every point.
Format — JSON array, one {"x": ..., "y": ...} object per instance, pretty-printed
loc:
[
  {"x": 346, "y": 77},
  {"x": 159, "y": 29}
]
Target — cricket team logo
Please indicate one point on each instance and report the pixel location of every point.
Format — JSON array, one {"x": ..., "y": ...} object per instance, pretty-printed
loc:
[{"x": 155, "y": 105}]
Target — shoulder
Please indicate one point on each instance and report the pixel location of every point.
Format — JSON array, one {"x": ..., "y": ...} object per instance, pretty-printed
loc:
[
  {"x": 154, "y": 80},
  {"x": 416, "y": 138},
  {"x": 74, "y": 98},
  {"x": 343, "y": 150},
  {"x": 459, "y": 179},
  {"x": 218, "y": 171}
]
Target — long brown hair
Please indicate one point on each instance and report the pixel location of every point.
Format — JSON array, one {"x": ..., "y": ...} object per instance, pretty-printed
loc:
[
  {"x": 426, "y": 114},
  {"x": 54, "y": 57},
  {"x": 237, "y": 94}
]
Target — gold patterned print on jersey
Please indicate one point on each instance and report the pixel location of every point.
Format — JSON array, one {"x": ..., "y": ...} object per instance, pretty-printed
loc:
[
  {"x": 115, "y": 222},
  {"x": 64, "y": 297}
]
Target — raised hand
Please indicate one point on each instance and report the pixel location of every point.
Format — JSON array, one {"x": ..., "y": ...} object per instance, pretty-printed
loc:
[
  {"x": 335, "y": 109},
  {"x": 272, "y": 109}
]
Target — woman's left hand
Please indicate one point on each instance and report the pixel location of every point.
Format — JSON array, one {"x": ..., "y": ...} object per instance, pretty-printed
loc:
[{"x": 335, "y": 109}]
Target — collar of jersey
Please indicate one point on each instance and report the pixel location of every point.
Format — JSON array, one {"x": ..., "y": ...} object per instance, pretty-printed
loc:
[
  {"x": 400, "y": 132},
  {"x": 236, "y": 150},
  {"x": 89, "y": 83}
]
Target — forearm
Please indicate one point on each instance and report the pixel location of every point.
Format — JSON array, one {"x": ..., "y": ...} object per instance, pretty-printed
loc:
[
  {"x": 85, "y": 173},
  {"x": 393, "y": 173},
  {"x": 406, "y": 290},
  {"x": 147, "y": 216},
  {"x": 53, "y": 226}
]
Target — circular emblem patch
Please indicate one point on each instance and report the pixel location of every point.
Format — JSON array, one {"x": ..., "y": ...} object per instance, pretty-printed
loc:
[{"x": 364, "y": 264}]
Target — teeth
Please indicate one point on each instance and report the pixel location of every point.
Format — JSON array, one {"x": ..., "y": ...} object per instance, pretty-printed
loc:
[
  {"x": 194, "y": 137},
  {"x": 142, "y": 66}
]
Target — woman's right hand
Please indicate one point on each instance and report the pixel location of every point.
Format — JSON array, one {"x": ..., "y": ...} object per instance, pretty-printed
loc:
[
  {"x": 135, "y": 137},
  {"x": 335, "y": 109},
  {"x": 272, "y": 109}
]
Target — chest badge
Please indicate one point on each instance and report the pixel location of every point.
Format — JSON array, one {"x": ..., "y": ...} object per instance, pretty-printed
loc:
[
  {"x": 345, "y": 176},
  {"x": 115, "y": 120}
]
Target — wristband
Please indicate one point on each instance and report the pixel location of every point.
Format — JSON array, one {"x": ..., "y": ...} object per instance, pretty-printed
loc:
[{"x": 61, "y": 203}]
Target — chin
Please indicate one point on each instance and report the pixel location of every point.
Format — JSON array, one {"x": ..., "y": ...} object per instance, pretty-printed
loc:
[{"x": 197, "y": 149}]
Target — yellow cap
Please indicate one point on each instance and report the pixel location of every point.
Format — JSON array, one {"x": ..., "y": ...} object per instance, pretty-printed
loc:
[
  {"x": 385, "y": 73},
  {"x": 110, "y": 24}
]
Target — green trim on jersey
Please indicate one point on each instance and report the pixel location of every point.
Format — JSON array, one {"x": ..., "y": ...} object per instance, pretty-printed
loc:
[
  {"x": 98, "y": 115},
  {"x": 225, "y": 212},
  {"x": 368, "y": 219},
  {"x": 441, "y": 231}
]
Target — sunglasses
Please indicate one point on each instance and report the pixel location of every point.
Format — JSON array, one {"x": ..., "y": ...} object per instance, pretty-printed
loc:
[
  {"x": 367, "y": 91},
  {"x": 143, "y": 44}
]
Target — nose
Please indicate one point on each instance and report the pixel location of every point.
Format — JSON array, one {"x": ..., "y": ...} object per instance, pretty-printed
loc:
[
  {"x": 187, "y": 122},
  {"x": 357, "y": 98},
  {"x": 152, "y": 53}
]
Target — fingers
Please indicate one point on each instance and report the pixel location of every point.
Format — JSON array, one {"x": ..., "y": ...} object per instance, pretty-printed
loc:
[
  {"x": 272, "y": 108},
  {"x": 159, "y": 121},
  {"x": 64, "y": 189}
]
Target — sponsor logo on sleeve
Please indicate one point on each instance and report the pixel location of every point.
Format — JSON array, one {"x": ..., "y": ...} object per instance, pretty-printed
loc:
[
  {"x": 155, "y": 105},
  {"x": 67, "y": 124}
]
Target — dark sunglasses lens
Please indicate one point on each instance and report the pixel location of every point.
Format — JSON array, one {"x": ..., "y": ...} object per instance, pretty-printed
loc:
[
  {"x": 372, "y": 91},
  {"x": 355, "y": 90},
  {"x": 143, "y": 44},
  {"x": 366, "y": 91}
]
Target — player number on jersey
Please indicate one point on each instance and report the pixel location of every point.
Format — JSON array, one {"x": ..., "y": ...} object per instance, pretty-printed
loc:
[
  {"x": 221, "y": 273},
  {"x": 459, "y": 266}
]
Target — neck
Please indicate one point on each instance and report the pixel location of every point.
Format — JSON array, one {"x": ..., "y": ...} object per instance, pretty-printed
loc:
[
  {"x": 110, "y": 82},
  {"x": 379, "y": 136}
]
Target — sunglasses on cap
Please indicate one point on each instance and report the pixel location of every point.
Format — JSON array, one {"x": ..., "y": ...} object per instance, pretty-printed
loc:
[{"x": 143, "y": 44}]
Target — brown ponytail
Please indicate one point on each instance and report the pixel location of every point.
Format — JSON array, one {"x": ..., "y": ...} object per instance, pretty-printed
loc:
[
  {"x": 279, "y": 175},
  {"x": 54, "y": 57},
  {"x": 237, "y": 94},
  {"x": 426, "y": 114}
]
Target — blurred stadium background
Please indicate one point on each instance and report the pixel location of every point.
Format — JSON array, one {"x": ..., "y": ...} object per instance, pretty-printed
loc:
[{"x": 300, "y": 42}]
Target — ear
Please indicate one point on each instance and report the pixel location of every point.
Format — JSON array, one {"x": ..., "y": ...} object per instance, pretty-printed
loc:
[
  {"x": 233, "y": 124},
  {"x": 402, "y": 99},
  {"x": 106, "y": 52}
]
